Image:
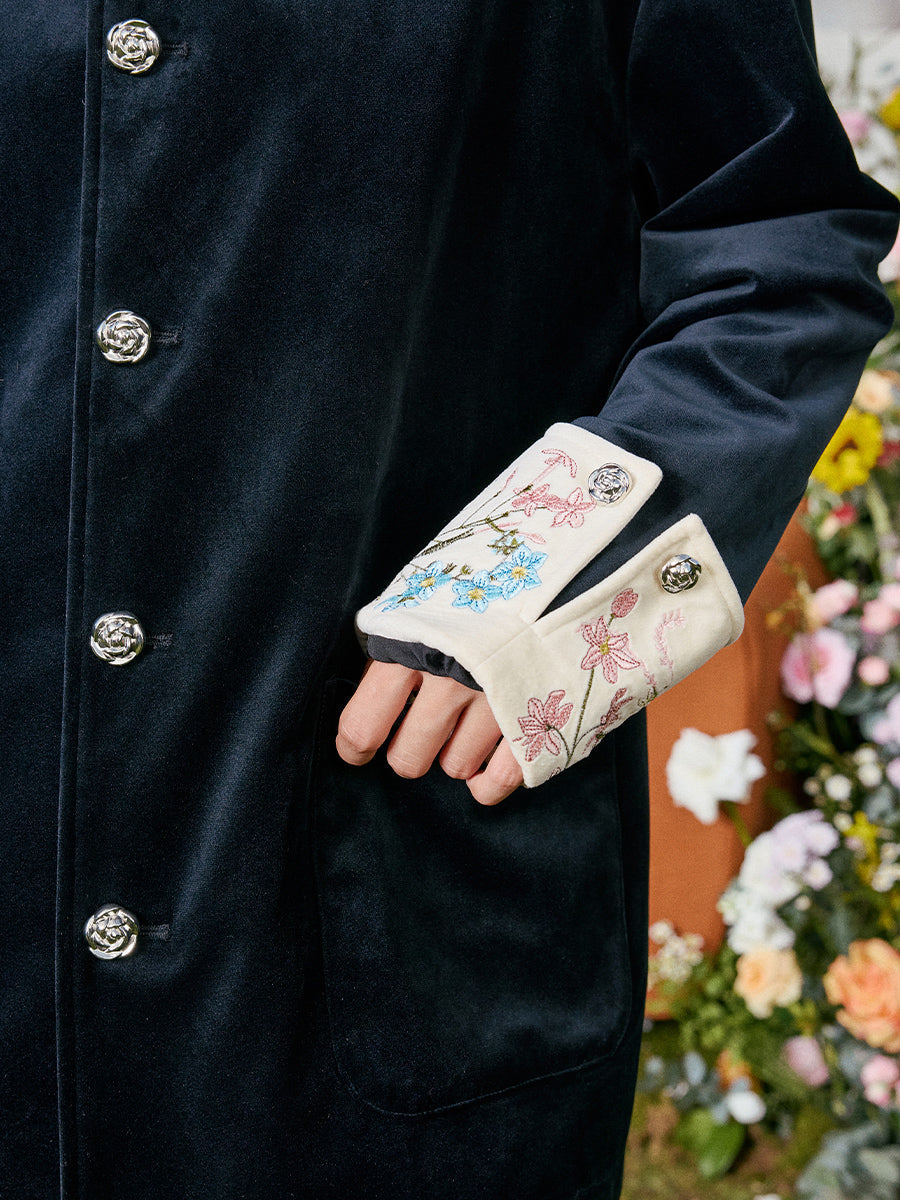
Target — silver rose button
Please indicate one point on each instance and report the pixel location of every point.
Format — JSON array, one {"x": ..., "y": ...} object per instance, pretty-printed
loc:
[
  {"x": 132, "y": 46},
  {"x": 680, "y": 573},
  {"x": 117, "y": 638},
  {"x": 609, "y": 483},
  {"x": 123, "y": 337},
  {"x": 112, "y": 932}
]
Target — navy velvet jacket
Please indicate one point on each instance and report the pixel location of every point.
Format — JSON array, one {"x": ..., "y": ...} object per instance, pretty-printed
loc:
[{"x": 375, "y": 250}]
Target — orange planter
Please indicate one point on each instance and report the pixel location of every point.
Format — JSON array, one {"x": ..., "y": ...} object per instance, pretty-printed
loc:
[{"x": 691, "y": 863}]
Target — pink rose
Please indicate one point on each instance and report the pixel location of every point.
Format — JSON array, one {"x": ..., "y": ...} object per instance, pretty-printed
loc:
[
  {"x": 833, "y": 600},
  {"x": 817, "y": 666},
  {"x": 878, "y": 617},
  {"x": 804, "y": 1056},
  {"x": 890, "y": 594},
  {"x": 873, "y": 670},
  {"x": 880, "y": 1077},
  {"x": 856, "y": 123}
]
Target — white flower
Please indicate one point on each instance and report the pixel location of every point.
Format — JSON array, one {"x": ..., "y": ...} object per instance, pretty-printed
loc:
[
  {"x": 886, "y": 875},
  {"x": 818, "y": 874},
  {"x": 842, "y": 822},
  {"x": 661, "y": 931},
  {"x": 759, "y": 927},
  {"x": 746, "y": 1107},
  {"x": 869, "y": 774},
  {"x": 763, "y": 871},
  {"x": 702, "y": 770},
  {"x": 838, "y": 787}
]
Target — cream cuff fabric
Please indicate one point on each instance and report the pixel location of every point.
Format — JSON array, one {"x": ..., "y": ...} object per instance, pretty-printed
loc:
[{"x": 557, "y": 684}]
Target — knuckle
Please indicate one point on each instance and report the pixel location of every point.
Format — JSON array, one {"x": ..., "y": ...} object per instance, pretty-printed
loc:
[
  {"x": 357, "y": 738},
  {"x": 456, "y": 767},
  {"x": 407, "y": 766},
  {"x": 506, "y": 778}
]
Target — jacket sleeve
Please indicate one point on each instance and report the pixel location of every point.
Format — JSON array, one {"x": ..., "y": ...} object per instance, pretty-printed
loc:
[{"x": 611, "y": 558}]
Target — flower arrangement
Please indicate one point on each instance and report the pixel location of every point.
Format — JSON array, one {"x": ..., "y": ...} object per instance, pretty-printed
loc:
[{"x": 800, "y": 1009}]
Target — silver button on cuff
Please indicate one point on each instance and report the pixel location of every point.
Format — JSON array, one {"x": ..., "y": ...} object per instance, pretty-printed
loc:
[
  {"x": 680, "y": 573},
  {"x": 609, "y": 483},
  {"x": 132, "y": 46},
  {"x": 123, "y": 337},
  {"x": 117, "y": 638},
  {"x": 112, "y": 932}
]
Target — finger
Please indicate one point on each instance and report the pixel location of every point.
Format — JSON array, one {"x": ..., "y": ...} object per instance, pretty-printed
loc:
[
  {"x": 499, "y": 779},
  {"x": 431, "y": 719},
  {"x": 471, "y": 742},
  {"x": 373, "y": 709}
]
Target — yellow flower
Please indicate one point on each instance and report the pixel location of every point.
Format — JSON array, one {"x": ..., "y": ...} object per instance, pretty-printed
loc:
[
  {"x": 890, "y": 111},
  {"x": 852, "y": 452}
]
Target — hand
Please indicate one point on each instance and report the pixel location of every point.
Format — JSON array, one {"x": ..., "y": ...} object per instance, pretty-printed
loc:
[{"x": 446, "y": 720}]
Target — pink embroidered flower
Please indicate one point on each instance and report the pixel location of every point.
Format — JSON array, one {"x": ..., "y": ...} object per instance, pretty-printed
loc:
[
  {"x": 571, "y": 510},
  {"x": 540, "y": 728},
  {"x": 878, "y": 617},
  {"x": 624, "y": 603},
  {"x": 531, "y": 498},
  {"x": 558, "y": 458},
  {"x": 817, "y": 666},
  {"x": 609, "y": 651},
  {"x": 833, "y": 600},
  {"x": 890, "y": 594}
]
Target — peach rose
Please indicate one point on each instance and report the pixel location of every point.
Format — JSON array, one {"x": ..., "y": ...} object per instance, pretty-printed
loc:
[
  {"x": 865, "y": 983},
  {"x": 766, "y": 978}
]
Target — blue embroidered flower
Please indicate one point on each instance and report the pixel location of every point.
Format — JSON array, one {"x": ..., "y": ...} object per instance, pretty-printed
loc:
[
  {"x": 476, "y": 592},
  {"x": 419, "y": 587},
  {"x": 423, "y": 583},
  {"x": 404, "y": 600},
  {"x": 519, "y": 571},
  {"x": 506, "y": 543}
]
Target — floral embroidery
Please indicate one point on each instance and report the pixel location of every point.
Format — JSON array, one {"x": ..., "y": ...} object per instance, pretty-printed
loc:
[
  {"x": 420, "y": 585},
  {"x": 571, "y": 510},
  {"x": 624, "y": 603},
  {"x": 612, "y": 652},
  {"x": 475, "y": 586},
  {"x": 519, "y": 571},
  {"x": 476, "y": 592},
  {"x": 541, "y": 728},
  {"x": 531, "y": 499},
  {"x": 609, "y": 651}
]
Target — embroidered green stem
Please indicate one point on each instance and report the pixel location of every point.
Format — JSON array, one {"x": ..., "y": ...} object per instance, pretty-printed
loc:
[{"x": 581, "y": 716}]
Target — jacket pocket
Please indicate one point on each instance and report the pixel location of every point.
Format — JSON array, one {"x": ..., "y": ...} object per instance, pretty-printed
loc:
[{"x": 466, "y": 950}]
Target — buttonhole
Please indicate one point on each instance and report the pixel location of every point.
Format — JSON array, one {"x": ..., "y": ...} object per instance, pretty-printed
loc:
[
  {"x": 167, "y": 337},
  {"x": 159, "y": 933},
  {"x": 161, "y": 641}
]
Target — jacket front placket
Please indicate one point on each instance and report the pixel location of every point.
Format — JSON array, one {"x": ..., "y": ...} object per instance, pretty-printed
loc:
[{"x": 107, "y": 911}]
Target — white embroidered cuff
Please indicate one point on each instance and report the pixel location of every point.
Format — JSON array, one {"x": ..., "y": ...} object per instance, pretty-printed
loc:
[{"x": 559, "y": 683}]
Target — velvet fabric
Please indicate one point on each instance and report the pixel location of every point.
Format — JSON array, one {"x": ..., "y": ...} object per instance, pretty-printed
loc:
[{"x": 381, "y": 248}]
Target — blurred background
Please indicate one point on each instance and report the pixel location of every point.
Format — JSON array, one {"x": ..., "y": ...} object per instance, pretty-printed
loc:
[{"x": 772, "y": 1048}]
